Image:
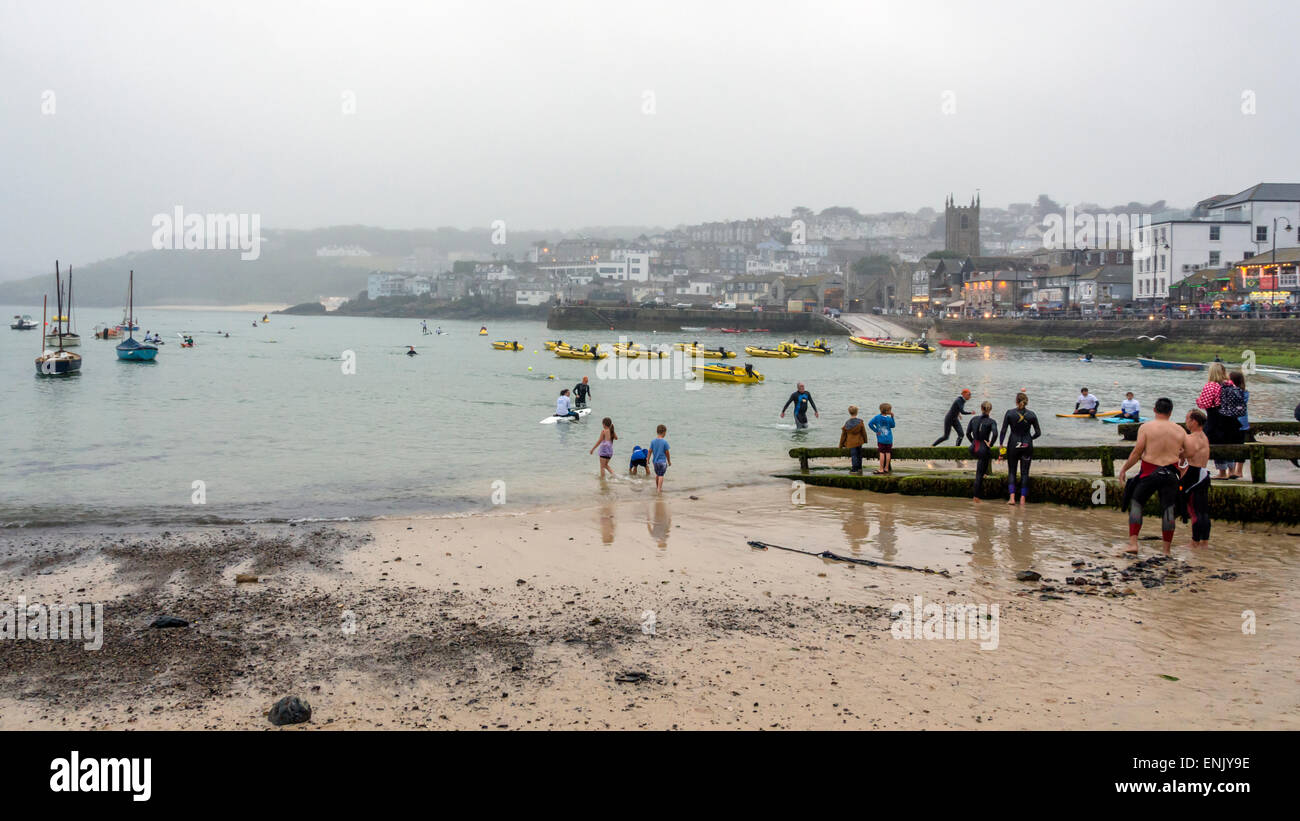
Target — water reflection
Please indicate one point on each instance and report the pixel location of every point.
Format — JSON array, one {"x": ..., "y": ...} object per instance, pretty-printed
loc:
[{"x": 659, "y": 521}]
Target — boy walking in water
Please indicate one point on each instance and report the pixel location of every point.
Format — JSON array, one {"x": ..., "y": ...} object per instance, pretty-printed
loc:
[
  {"x": 660, "y": 457},
  {"x": 882, "y": 424},
  {"x": 952, "y": 422},
  {"x": 853, "y": 436},
  {"x": 1194, "y": 488},
  {"x": 1160, "y": 446}
]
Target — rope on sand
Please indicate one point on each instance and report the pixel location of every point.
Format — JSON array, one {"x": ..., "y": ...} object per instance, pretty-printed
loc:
[{"x": 826, "y": 554}]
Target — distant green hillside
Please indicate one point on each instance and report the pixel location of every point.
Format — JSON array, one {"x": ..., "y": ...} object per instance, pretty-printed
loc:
[{"x": 287, "y": 270}]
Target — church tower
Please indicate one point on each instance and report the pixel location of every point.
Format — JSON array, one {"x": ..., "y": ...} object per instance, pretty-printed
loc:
[{"x": 962, "y": 227}]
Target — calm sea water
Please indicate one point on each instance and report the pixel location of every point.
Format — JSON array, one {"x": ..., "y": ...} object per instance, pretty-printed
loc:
[{"x": 269, "y": 423}]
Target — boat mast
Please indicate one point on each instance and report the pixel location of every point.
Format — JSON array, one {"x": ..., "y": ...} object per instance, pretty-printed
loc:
[
  {"x": 58, "y": 320},
  {"x": 130, "y": 305},
  {"x": 45, "y": 306}
]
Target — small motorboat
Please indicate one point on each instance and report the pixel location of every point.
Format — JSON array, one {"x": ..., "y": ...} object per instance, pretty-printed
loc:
[
  {"x": 23, "y": 323},
  {"x": 958, "y": 343},
  {"x": 690, "y": 349},
  {"x": 728, "y": 373},
  {"x": 482, "y": 331},
  {"x": 1161, "y": 364},
  {"x": 502, "y": 345},
  {"x": 783, "y": 350},
  {"x": 637, "y": 352},
  {"x": 818, "y": 346},
  {"x": 552, "y": 344},
  {"x": 586, "y": 352},
  {"x": 891, "y": 346}
]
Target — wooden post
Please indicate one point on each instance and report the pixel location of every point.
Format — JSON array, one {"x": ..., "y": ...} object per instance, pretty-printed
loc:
[
  {"x": 1258, "y": 472},
  {"x": 803, "y": 460},
  {"x": 1107, "y": 462}
]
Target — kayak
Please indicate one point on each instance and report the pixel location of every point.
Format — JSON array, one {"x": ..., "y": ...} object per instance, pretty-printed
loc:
[
  {"x": 782, "y": 351},
  {"x": 1100, "y": 415},
  {"x": 707, "y": 353},
  {"x": 728, "y": 373},
  {"x": 892, "y": 347},
  {"x": 508, "y": 346},
  {"x": 1120, "y": 420},
  {"x": 729, "y": 330},
  {"x": 587, "y": 352},
  {"x": 958, "y": 343}
]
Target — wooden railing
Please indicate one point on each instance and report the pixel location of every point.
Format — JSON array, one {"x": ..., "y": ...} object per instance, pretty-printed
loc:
[
  {"x": 1129, "y": 430},
  {"x": 1106, "y": 455}
]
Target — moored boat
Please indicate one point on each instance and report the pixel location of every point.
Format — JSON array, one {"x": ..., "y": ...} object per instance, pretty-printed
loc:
[
  {"x": 586, "y": 352},
  {"x": 637, "y": 352},
  {"x": 503, "y": 345},
  {"x": 728, "y": 373},
  {"x": 130, "y": 349},
  {"x": 57, "y": 362},
  {"x": 819, "y": 346},
  {"x": 1167, "y": 365},
  {"x": 691, "y": 349},
  {"x": 783, "y": 350},
  {"x": 892, "y": 346},
  {"x": 958, "y": 343},
  {"x": 23, "y": 323}
]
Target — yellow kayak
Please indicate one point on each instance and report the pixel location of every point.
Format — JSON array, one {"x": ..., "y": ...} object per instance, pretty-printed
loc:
[
  {"x": 782, "y": 351},
  {"x": 637, "y": 352},
  {"x": 707, "y": 353},
  {"x": 587, "y": 352},
  {"x": 728, "y": 373},
  {"x": 508, "y": 346},
  {"x": 890, "y": 345}
]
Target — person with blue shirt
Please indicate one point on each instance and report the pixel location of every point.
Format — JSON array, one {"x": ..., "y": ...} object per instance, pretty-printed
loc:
[
  {"x": 659, "y": 456},
  {"x": 882, "y": 425},
  {"x": 639, "y": 456},
  {"x": 1130, "y": 408},
  {"x": 563, "y": 406},
  {"x": 802, "y": 400}
]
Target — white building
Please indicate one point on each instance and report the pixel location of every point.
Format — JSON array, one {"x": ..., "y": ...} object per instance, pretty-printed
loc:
[
  {"x": 533, "y": 294},
  {"x": 1164, "y": 253},
  {"x": 382, "y": 285}
]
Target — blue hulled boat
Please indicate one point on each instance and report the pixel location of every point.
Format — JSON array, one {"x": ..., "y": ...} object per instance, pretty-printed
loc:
[
  {"x": 129, "y": 349},
  {"x": 1148, "y": 362}
]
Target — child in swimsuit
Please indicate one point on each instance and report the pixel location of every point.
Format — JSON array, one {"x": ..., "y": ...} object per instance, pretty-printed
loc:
[{"x": 605, "y": 444}]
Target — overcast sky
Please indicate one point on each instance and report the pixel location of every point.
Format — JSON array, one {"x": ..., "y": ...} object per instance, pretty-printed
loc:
[{"x": 536, "y": 112}]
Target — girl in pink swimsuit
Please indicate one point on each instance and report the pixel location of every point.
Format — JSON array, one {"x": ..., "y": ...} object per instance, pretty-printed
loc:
[{"x": 606, "y": 446}]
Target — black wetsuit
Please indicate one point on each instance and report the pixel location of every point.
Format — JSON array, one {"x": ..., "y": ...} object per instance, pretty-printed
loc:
[
  {"x": 1152, "y": 480},
  {"x": 1019, "y": 429},
  {"x": 1194, "y": 501},
  {"x": 801, "y": 400},
  {"x": 580, "y": 393},
  {"x": 982, "y": 432},
  {"x": 952, "y": 422}
]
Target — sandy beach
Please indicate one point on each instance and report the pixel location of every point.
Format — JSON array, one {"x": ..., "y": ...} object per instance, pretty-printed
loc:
[{"x": 630, "y": 611}]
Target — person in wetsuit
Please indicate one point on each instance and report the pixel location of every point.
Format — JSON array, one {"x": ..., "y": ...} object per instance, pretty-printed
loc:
[
  {"x": 1160, "y": 446},
  {"x": 1019, "y": 429},
  {"x": 1194, "y": 487},
  {"x": 801, "y": 399},
  {"x": 952, "y": 422},
  {"x": 982, "y": 432},
  {"x": 581, "y": 391}
]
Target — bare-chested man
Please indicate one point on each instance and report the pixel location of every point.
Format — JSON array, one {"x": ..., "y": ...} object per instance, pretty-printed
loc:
[
  {"x": 1159, "y": 446},
  {"x": 1194, "y": 488}
]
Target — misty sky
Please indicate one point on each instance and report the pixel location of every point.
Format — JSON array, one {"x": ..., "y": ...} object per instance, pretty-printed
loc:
[{"x": 532, "y": 112}]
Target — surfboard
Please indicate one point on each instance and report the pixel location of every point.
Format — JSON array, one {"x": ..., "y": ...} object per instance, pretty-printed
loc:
[
  {"x": 1100, "y": 415},
  {"x": 1119, "y": 420},
  {"x": 552, "y": 419}
]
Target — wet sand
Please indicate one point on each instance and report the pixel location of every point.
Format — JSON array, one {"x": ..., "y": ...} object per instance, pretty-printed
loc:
[{"x": 527, "y": 619}]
